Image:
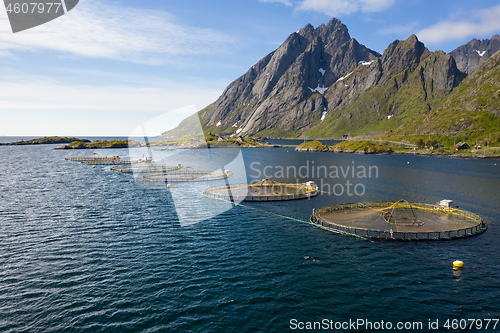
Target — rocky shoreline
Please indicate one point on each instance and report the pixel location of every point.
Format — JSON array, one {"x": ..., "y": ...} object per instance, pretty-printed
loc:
[
  {"x": 451, "y": 155},
  {"x": 390, "y": 152},
  {"x": 226, "y": 146}
]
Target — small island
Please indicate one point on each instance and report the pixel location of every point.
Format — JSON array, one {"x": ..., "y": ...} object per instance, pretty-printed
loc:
[
  {"x": 45, "y": 141},
  {"x": 313, "y": 146},
  {"x": 104, "y": 144},
  {"x": 212, "y": 141}
]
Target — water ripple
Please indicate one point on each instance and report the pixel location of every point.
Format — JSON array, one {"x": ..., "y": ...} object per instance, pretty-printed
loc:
[{"x": 84, "y": 249}]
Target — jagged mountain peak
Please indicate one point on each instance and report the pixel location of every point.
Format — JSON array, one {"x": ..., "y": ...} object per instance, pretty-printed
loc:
[
  {"x": 333, "y": 35},
  {"x": 307, "y": 31},
  {"x": 471, "y": 55},
  {"x": 323, "y": 82},
  {"x": 411, "y": 43},
  {"x": 401, "y": 55}
]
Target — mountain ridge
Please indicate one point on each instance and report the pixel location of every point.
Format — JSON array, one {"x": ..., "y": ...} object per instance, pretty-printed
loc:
[
  {"x": 323, "y": 83},
  {"x": 472, "y": 54}
]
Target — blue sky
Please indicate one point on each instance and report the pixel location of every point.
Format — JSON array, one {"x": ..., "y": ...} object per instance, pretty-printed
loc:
[{"x": 106, "y": 67}]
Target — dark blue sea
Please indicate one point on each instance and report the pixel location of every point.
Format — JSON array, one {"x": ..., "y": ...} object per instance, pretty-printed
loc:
[{"x": 84, "y": 249}]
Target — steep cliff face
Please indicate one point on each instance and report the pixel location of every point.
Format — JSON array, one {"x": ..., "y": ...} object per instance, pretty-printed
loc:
[
  {"x": 282, "y": 95},
  {"x": 475, "y": 52},
  {"x": 472, "y": 108},
  {"x": 323, "y": 83},
  {"x": 391, "y": 91}
]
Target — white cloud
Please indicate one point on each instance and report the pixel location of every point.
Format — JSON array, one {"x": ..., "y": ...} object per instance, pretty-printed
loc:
[
  {"x": 344, "y": 7},
  {"x": 481, "y": 22},
  {"x": 284, "y": 2},
  {"x": 43, "y": 105},
  {"x": 20, "y": 91},
  {"x": 102, "y": 30}
]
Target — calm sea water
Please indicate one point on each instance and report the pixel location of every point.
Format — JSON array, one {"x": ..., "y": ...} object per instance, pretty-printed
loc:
[{"x": 86, "y": 249}]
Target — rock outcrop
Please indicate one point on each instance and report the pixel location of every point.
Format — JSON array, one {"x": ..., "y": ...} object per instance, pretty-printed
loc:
[{"x": 469, "y": 56}]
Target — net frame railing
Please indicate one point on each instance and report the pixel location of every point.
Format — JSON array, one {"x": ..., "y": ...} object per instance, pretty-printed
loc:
[
  {"x": 187, "y": 174},
  {"x": 224, "y": 192},
  {"x": 101, "y": 160},
  {"x": 479, "y": 227}
]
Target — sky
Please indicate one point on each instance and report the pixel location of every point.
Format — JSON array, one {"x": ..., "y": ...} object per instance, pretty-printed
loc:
[{"x": 106, "y": 67}]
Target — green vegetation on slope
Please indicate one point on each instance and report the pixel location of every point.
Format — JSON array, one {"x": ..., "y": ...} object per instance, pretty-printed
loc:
[
  {"x": 313, "y": 145},
  {"x": 104, "y": 144},
  {"x": 469, "y": 113},
  {"x": 366, "y": 146}
]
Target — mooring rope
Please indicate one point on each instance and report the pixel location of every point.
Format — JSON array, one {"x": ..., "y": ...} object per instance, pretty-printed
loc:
[{"x": 480, "y": 270}]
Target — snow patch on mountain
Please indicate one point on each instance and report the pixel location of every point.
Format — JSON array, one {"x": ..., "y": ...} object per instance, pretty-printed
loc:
[
  {"x": 323, "y": 115},
  {"x": 344, "y": 77},
  {"x": 480, "y": 53},
  {"x": 319, "y": 89},
  {"x": 365, "y": 63}
]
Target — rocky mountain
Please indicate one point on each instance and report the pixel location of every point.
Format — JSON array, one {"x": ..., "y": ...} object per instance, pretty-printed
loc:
[
  {"x": 470, "y": 109},
  {"x": 406, "y": 81},
  {"x": 323, "y": 83},
  {"x": 283, "y": 93},
  {"x": 469, "y": 56}
]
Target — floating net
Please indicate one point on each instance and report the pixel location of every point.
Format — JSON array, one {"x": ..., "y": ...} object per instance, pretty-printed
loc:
[
  {"x": 147, "y": 167},
  {"x": 100, "y": 160},
  {"x": 401, "y": 220},
  {"x": 187, "y": 174},
  {"x": 265, "y": 190}
]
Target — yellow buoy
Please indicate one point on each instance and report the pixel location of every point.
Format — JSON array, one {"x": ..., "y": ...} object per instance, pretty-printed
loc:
[
  {"x": 93, "y": 166},
  {"x": 168, "y": 185},
  {"x": 458, "y": 264}
]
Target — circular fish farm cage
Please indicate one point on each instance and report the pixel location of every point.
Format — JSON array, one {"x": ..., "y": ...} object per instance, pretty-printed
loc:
[
  {"x": 266, "y": 190},
  {"x": 100, "y": 160},
  {"x": 147, "y": 167},
  {"x": 401, "y": 220},
  {"x": 187, "y": 174}
]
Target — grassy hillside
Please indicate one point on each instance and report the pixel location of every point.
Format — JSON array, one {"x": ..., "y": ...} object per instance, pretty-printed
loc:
[
  {"x": 397, "y": 101},
  {"x": 313, "y": 145},
  {"x": 366, "y": 146},
  {"x": 470, "y": 112}
]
